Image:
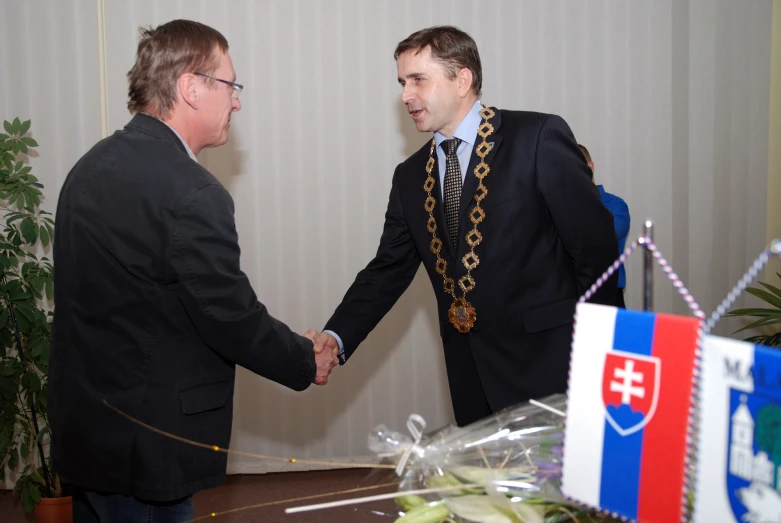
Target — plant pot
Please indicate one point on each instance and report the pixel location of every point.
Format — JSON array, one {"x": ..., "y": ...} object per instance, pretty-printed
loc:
[{"x": 54, "y": 510}]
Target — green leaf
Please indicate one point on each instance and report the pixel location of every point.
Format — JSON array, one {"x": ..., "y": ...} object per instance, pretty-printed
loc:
[
  {"x": 25, "y": 309},
  {"x": 27, "y": 228},
  {"x": 24, "y": 127},
  {"x": 13, "y": 216},
  {"x": 36, "y": 283},
  {"x": 29, "y": 142},
  {"x": 16, "y": 125},
  {"x": 22, "y": 296},
  {"x": 23, "y": 323},
  {"x": 27, "y": 501},
  {"x": 755, "y": 312},
  {"x": 13, "y": 459},
  {"x": 7, "y": 388},
  {"x": 44, "y": 236},
  {"x": 34, "y": 382},
  {"x": 762, "y": 322},
  {"x": 26, "y": 269},
  {"x": 771, "y": 288},
  {"x": 7, "y": 127},
  {"x": 773, "y": 300},
  {"x": 49, "y": 290}
]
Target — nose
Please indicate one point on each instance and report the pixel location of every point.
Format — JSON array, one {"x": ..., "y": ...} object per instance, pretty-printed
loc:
[
  {"x": 236, "y": 105},
  {"x": 407, "y": 94}
]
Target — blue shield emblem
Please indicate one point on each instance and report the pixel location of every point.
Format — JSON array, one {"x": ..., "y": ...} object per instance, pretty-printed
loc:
[{"x": 754, "y": 446}]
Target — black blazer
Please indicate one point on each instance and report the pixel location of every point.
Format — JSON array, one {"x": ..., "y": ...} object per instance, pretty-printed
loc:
[
  {"x": 152, "y": 314},
  {"x": 546, "y": 238}
]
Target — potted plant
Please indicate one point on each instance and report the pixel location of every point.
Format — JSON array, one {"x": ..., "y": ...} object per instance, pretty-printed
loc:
[
  {"x": 26, "y": 291},
  {"x": 765, "y": 316}
]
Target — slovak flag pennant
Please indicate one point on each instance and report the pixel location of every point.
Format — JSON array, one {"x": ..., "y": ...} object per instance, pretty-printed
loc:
[{"x": 628, "y": 402}]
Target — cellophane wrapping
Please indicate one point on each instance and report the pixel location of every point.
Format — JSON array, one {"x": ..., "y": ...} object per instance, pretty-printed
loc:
[{"x": 502, "y": 469}]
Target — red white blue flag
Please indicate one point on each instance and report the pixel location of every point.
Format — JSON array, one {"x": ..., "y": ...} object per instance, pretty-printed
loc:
[{"x": 628, "y": 406}]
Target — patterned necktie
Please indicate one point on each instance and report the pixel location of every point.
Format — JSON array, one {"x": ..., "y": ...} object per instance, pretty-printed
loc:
[{"x": 452, "y": 187}]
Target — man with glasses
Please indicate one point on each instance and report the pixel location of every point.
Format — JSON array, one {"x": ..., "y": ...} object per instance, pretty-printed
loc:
[{"x": 153, "y": 312}]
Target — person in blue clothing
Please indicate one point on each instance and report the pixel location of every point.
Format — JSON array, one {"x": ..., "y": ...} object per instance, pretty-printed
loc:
[{"x": 621, "y": 221}]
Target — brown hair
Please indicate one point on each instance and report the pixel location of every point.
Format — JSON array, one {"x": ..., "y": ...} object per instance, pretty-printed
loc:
[
  {"x": 587, "y": 155},
  {"x": 164, "y": 54},
  {"x": 451, "y": 47},
  {"x": 585, "y": 152}
]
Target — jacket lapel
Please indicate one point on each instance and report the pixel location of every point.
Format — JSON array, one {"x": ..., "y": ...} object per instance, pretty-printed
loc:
[{"x": 470, "y": 180}]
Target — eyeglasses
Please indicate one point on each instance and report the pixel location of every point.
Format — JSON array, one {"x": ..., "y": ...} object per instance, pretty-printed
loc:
[{"x": 236, "y": 87}]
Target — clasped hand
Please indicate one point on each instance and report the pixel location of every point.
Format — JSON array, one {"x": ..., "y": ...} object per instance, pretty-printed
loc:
[{"x": 326, "y": 354}]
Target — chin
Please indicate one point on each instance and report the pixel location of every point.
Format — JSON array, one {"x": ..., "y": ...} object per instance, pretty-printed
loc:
[{"x": 422, "y": 127}]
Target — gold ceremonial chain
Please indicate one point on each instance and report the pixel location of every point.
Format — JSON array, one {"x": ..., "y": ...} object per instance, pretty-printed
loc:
[{"x": 462, "y": 314}]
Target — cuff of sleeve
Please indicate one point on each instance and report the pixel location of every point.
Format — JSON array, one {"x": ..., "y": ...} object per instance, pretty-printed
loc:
[{"x": 341, "y": 345}]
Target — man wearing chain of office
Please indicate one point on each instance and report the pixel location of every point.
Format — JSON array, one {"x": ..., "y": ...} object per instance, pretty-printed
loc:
[{"x": 499, "y": 207}]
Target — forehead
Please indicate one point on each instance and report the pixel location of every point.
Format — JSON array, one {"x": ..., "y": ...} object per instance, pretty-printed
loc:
[
  {"x": 224, "y": 63},
  {"x": 412, "y": 62}
]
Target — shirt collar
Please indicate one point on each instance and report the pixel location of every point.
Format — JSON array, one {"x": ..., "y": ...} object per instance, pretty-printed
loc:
[
  {"x": 186, "y": 147},
  {"x": 467, "y": 129}
]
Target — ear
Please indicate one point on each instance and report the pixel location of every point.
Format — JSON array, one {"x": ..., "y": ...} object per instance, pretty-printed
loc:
[
  {"x": 591, "y": 164},
  {"x": 464, "y": 79},
  {"x": 189, "y": 89}
]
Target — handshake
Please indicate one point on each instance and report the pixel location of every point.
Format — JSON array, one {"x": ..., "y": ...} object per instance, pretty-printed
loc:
[{"x": 326, "y": 354}]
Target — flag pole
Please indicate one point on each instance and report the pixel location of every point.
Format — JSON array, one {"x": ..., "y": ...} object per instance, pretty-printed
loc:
[{"x": 648, "y": 266}]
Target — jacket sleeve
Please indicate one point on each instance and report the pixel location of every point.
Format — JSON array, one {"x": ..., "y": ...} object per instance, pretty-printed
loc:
[
  {"x": 219, "y": 298},
  {"x": 377, "y": 287},
  {"x": 583, "y": 223}
]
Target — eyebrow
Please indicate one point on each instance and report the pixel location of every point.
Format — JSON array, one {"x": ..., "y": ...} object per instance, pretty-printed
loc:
[{"x": 411, "y": 75}]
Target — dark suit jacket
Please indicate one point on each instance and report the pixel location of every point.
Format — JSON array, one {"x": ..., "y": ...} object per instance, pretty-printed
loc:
[
  {"x": 546, "y": 238},
  {"x": 152, "y": 314}
]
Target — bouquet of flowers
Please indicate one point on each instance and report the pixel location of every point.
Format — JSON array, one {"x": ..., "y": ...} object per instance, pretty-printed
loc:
[{"x": 503, "y": 469}]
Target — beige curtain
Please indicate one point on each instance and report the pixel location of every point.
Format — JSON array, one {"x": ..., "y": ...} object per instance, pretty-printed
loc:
[{"x": 671, "y": 97}]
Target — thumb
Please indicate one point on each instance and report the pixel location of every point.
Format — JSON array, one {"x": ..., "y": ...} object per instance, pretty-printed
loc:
[{"x": 319, "y": 343}]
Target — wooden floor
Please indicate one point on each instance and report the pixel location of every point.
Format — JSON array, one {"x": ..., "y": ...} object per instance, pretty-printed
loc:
[{"x": 271, "y": 491}]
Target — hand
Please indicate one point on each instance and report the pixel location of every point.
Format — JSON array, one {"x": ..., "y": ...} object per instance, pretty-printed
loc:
[
  {"x": 326, "y": 360},
  {"x": 310, "y": 334},
  {"x": 324, "y": 340}
]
